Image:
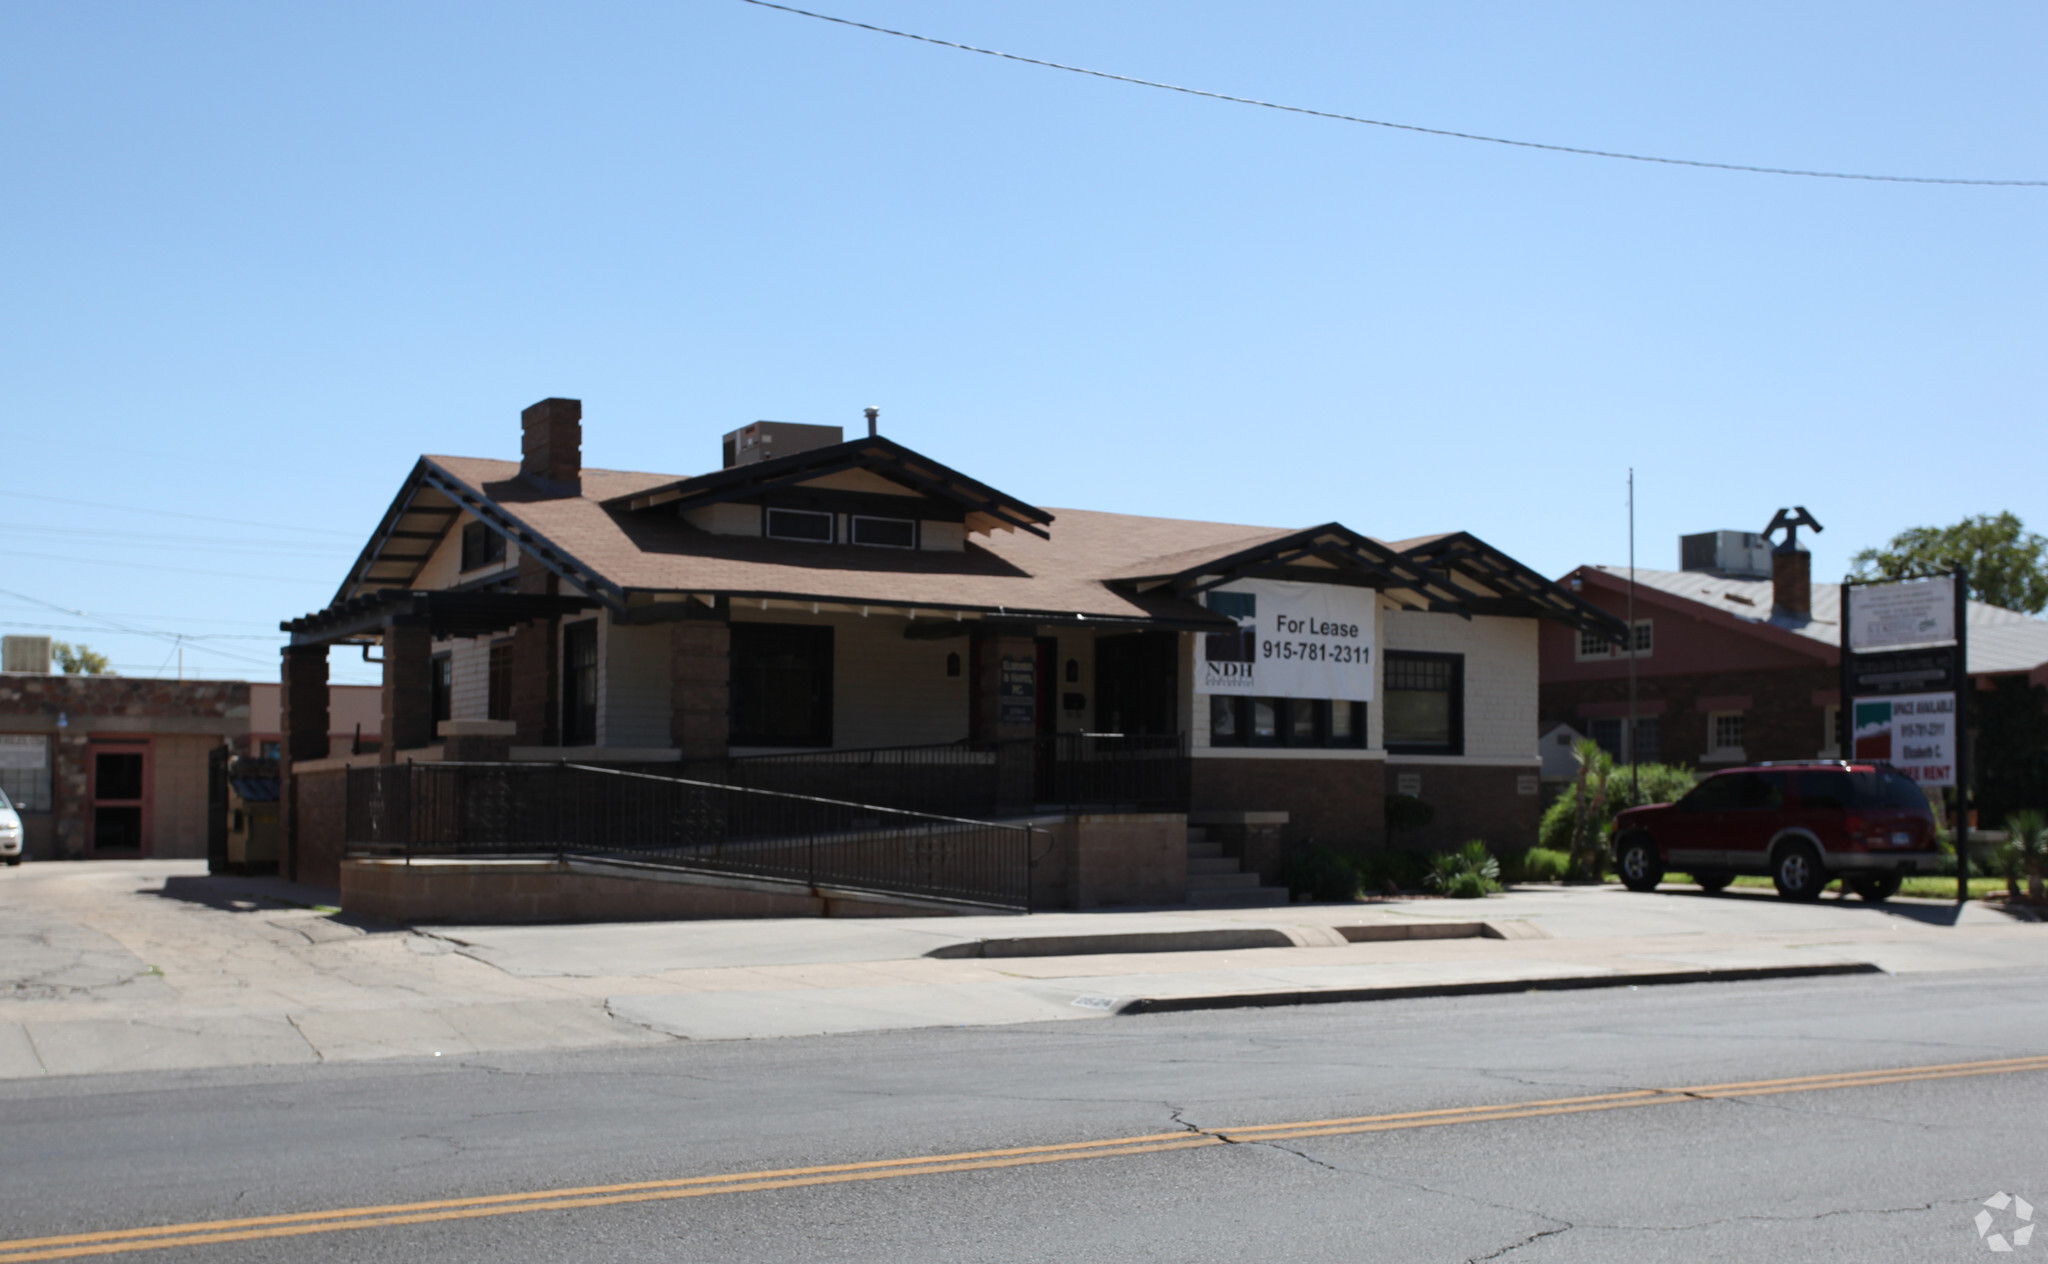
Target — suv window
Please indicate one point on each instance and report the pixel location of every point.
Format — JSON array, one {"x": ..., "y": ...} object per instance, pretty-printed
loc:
[
  {"x": 1827, "y": 791},
  {"x": 1887, "y": 788},
  {"x": 1760, "y": 791},
  {"x": 1715, "y": 794}
]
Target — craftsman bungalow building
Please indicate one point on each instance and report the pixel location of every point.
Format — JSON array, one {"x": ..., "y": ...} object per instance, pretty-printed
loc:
[{"x": 818, "y": 595}]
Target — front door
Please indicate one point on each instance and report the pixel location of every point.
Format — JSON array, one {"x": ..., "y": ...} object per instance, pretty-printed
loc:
[
  {"x": 1137, "y": 683},
  {"x": 118, "y": 783}
]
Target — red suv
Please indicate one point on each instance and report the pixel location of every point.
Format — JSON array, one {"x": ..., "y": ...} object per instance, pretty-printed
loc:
[{"x": 1805, "y": 824}]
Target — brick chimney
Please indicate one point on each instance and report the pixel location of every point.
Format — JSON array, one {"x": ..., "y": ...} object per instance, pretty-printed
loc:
[
  {"x": 551, "y": 446},
  {"x": 1792, "y": 582},
  {"x": 1791, "y": 565}
]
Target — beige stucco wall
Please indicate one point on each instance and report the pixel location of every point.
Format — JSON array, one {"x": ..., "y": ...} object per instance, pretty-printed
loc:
[
  {"x": 178, "y": 797},
  {"x": 633, "y": 685}
]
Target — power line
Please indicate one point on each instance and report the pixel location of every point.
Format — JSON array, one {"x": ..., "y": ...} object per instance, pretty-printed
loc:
[
  {"x": 1403, "y": 127},
  {"x": 223, "y": 544},
  {"x": 165, "y": 513},
  {"x": 171, "y": 570},
  {"x": 178, "y": 638}
]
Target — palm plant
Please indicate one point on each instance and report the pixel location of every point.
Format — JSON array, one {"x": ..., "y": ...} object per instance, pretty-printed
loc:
[
  {"x": 1464, "y": 874},
  {"x": 1588, "y": 846},
  {"x": 2027, "y": 834}
]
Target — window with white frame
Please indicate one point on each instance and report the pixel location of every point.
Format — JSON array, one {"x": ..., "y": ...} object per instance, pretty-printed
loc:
[
  {"x": 885, "y": 533},
  {"x": 1724, "y": 733},
  {"x": 1595, "y": 648}
]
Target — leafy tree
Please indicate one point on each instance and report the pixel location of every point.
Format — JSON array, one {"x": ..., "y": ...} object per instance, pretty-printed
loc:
[
  {"x": 2008, "y": 564},
  {"x": 78, "y": 660}
]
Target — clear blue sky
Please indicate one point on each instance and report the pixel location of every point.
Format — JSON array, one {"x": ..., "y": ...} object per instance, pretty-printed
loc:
[{"x": 258, "y": 257}]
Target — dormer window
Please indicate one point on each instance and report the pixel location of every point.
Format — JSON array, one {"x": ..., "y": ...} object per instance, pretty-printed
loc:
[
  {"x": 799, "y": 524},
  {"x": 481, "y": 547},
  {"x": 885, "y": 533}
]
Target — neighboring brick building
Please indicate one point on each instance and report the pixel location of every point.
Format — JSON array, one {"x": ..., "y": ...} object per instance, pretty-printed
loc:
[
  {"x": 1733, "y": 668},
  {"x": 110, "y": 766},
  {"x": 817, "y": 596}
]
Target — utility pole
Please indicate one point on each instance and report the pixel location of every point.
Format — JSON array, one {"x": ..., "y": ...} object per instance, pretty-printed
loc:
[{"x": 1635, "y": 778}]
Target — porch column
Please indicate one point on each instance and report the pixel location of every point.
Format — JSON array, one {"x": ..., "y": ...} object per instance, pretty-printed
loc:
[
  {"x": 700, "y": 687},
  {"x": 303, "y": 700},
  {"x": 408, "y": 688},
  {"x": 1016, "y": 760},
  {"x": 536, "y": 665}
]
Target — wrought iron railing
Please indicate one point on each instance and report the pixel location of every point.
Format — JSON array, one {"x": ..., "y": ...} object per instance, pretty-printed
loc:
[
  {"x": 1062, "y": 772},
  {"x": 572, "y": 810}
]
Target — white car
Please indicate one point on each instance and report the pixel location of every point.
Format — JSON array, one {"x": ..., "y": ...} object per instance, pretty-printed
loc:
[{"x": 10, "y": 831}]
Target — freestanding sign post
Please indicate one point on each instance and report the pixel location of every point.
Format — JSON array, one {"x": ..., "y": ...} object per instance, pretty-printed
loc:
[{"x": 1905, "y": 687}]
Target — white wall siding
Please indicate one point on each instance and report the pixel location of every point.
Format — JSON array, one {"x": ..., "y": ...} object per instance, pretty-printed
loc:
[
  {"x": 470, "y": 665},
  {"x": 1500, "y": 675},
  {"x": 633, "y": 685}
]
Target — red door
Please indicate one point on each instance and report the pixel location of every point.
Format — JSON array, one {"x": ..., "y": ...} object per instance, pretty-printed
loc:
[{"x": 117, "y": 782}]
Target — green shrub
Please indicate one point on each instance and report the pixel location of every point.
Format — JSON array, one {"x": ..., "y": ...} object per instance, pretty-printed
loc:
[
  {"x": 1651, "y": 783},
  {"x": 1542, "y": 864},
  {"x": 1396, "y": 866},
  {"x": 1464, "y": 874},
  {"x": 1406, "y": 812},
  {"x": 1321, "y": 874},
  {"x": 2027, "y": 832}
]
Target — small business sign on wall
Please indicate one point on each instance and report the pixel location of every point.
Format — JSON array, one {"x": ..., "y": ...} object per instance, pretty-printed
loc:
[
  {"x": 24, "y": 752},
  {"x": 1017, "y": 697},
  {"x": 1293, "y": 640},
  {"x": 1408, "y": 783}
]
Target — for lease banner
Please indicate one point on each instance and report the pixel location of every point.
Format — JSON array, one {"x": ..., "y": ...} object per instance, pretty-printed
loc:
[
  {"x": 1914, "y": 733},
  {"x": 1293, "y": 640}
]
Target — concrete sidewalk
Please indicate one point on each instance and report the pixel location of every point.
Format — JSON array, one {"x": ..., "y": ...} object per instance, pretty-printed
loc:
[{"x": 144, "y": 965}]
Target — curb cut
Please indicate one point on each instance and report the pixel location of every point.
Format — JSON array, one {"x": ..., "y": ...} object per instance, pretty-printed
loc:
[{"x": 1333, "y": 996}]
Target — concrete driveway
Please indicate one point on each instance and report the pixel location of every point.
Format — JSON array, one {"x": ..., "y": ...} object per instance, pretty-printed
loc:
[{"x": 144, "y": 964}]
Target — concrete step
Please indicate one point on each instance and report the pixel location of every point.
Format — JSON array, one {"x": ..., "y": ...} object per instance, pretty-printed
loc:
[
  {"x": 1198, "y": 833},
  {"x": 1238, "y": 897},
  {"x": 1211, "y": 864},
  {"x": 1204, "y": 850},
  {"x": 1220, "y": 881}
]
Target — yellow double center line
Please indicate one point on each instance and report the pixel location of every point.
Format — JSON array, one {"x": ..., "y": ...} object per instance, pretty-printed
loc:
[{"x": 253, "y": 1228}]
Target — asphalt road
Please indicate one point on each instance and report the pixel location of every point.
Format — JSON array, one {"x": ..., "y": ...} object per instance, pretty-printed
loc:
[{"x": 1854, "y": 1166}]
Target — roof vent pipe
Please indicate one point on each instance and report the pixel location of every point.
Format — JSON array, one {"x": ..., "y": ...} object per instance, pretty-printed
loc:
[{"x": 872, "y": 413}]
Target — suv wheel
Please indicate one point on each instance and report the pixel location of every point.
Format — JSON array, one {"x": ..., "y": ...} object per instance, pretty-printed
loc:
[
  {"x": 1713, "y": 883},
  {"x": 1875, "y": 888},
  {"x": 1797, "y": 872},
  {"x": 1641, "y": 870}
]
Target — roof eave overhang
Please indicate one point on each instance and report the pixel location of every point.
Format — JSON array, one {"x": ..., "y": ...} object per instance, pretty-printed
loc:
[
  {"x": 1695, "y": 608},
  {"x": 1337, "y": 554},
  {"x": 655, "y": 606},
  {"x": 881, "y": 456},
  {"x": 1466, "y": 554}
]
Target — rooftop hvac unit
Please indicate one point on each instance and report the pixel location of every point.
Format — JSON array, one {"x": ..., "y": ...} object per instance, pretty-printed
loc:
[
  {"x": 1728, "y": 554},
  {"x": 766, "y": 440},
  {"x": 25, "y": 654}
]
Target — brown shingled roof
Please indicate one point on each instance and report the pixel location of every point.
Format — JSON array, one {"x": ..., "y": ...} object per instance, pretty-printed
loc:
[{"x": 656, "y": 552}]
